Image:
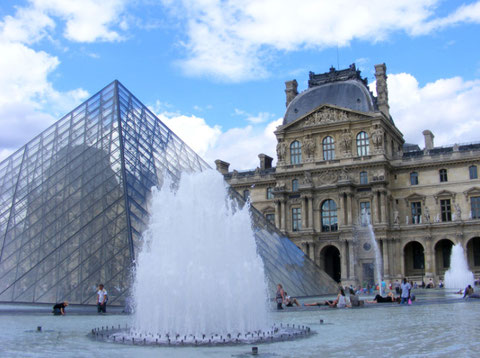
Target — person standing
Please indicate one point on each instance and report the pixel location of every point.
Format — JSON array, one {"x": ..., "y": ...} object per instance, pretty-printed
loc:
[
  {"x": 102, "y": 299},
  {"x": 405, "y": 287},
  {"x": 397, "y": 287}
]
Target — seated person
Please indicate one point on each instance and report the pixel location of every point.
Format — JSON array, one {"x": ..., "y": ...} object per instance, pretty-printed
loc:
[
  {"x": 468, "y": 291},
  {"x": 379, "y": 299},
  {"x": 59, "y": 308},
  {"x": 289, "y": 301},
  {"x": 340, "y": 301},
  {"x": 354, "y": 300}
]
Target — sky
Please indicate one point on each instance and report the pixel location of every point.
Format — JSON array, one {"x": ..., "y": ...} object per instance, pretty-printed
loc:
[{"x": 214, "y": 71}]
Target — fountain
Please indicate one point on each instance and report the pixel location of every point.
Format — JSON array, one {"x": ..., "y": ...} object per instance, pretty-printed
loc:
[
  {"x": 365, "y": 222},
  {"x": 458, "y": 275},
  {"x": 199, "y": 279}
]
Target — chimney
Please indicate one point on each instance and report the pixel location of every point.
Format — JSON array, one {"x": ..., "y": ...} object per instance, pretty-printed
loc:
[
  {"x": 291, "y": 90},
  {"x": 222, "y": 166},
  {"x": 265, "y": 161},
  {"x": 428, "y": 139},
  {"x": 382, "y": 90}
]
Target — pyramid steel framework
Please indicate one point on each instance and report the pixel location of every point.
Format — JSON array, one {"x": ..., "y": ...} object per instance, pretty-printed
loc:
[{"x": 73, "y": 206}]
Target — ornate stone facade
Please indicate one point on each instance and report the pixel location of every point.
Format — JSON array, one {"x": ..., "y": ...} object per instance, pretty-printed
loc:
[{"x": 420, "y": 202}]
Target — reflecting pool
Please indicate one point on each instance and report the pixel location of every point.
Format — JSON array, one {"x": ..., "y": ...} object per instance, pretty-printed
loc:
[{"x": 438, "y": 324}]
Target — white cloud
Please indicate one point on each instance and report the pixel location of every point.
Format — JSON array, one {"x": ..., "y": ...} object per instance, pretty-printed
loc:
[
  {"x": 85, "y": 20},
  {"x": 448, "y": 107},
  {"x": 234, "y": 40},
  {"x": 238, "y": 146},
  {"x": 192, "y": 130},
  {"x": 258, "y": 118},
  {"x": 28, "y": 100}
]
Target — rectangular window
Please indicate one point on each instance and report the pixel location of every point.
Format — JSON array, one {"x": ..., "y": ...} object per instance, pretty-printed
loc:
[
  {"x": 270, "y": 218},
  {"x": 295, "y": 185},
  {"x": 269, "y": 193},
  {"x": 363, "y": 178},
  {"x": 365, "y": 214},
  {"x": 443, "y": 175},
  {"x": 475, "y": 206},
  {"x": 246, "y": 195},
  {"x": 416, "y": 212},
  {"x": 473, "y": 172},
  {"x": 296, "y": 219},
  {"x": 446, "y": 210},
  {"x": 414, "y": 178}
]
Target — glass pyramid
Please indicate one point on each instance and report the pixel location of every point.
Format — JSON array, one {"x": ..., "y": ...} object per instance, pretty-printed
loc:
[{"x": 73, "y": 205}]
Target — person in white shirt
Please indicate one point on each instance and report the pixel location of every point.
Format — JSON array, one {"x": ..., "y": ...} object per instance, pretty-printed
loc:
[
  {"x": 405, "y": 287},
  {"x": 102, "y": 299}
]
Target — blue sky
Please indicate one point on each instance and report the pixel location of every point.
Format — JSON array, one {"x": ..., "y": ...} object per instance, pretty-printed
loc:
[{"x": 214, "y": 71}]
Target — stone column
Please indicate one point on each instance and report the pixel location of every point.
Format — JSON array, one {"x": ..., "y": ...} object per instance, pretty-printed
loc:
[
  {"x": 277, "y": 214},
  {"x": 283, "y": 226},
  {"x": 383, "y": 207},
  {"x": 399, "y": 262},
  {"x": 304, "y": 213},
  {"x": 310, "y": 212},
  {"x": 386, "y": 264},
  {"x": 429, "y": 258},
  {"x": 402, "y": 258},
  {"x": 344, "y": 209},
  {"x": 312, "y": 251},
  {"x": 349, "y": 209},
  {"x": 375, "y": 214},
  {"x": 343, "y": 262},
  {"x": 351, "y": 261}
]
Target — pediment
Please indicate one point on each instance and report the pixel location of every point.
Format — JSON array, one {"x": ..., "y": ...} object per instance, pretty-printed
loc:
[
  {"x": 268, "y": 209},
  {"x": 325, "y": 114},
  {"x": 415, "y": 197},
  {"x": 472, "y": 191},
  {"x": 444, "y": 194}
]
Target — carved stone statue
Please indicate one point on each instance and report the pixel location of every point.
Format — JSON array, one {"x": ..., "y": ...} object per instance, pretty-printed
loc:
[
  {"x": 343, "y": 175},
  {"x": 458, "y": 212},
  {"x": 307, "y": 179},
  {"x": 309, "y": 146},
  {"x": 281, "y": 151},
  {"x": 377, "y": 137},
  {"x": 346, "y": 141},
  {"x": 396, "y": 217},
  {"x": 427, "y": 215}
]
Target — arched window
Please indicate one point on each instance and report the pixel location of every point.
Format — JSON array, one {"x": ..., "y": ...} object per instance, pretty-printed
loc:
[
  {"x": 413, "y": 178},
  {"x": 363, "y": 178},
  {"x": 329, "y": 216},
  {"x": 443, "y": 175},
  {"x": 295, "y": 152},
  {"x": 472, "y": 170},
  {"x": 295, "y": 185},
  {"x": 362, "y": 144},
  {"x": 328, "y": 148}
]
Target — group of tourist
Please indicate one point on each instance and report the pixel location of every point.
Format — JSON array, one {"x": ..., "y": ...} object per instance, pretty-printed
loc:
[
  {"x": 353, "y": 300},
  {"x": 102, "y": 299}
]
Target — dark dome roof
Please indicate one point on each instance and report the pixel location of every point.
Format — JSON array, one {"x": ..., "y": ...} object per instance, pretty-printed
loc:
[{"x": 351, "y": 94}]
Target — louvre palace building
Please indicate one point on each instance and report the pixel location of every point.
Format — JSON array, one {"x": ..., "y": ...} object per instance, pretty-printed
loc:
[{"x": 340, "y": 154}]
